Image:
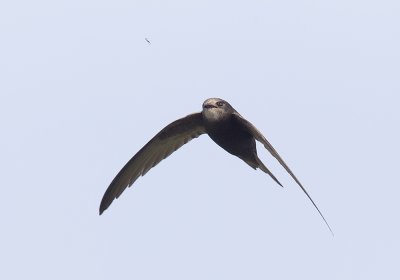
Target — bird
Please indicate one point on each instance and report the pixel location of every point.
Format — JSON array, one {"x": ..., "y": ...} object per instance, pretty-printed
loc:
[
  {"x": 223, "y": 124},
  {"x": 147, "y": 40}
]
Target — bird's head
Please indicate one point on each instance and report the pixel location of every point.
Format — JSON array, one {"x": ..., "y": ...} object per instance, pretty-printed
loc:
[{"x": 215, "y": 109}]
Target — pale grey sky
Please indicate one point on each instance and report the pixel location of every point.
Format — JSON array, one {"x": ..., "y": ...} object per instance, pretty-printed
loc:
[{"x": 82, "y": 91}]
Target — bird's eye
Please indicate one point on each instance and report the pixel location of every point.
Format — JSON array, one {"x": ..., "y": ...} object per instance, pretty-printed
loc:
[{"x": 220, "y": 103}]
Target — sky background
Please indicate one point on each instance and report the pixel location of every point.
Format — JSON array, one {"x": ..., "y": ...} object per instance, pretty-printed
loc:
[{"x": 82, "y": 91}]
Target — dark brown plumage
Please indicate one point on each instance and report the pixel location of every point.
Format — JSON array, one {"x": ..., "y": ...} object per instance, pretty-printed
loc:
[{"x": 222, "y": 123}]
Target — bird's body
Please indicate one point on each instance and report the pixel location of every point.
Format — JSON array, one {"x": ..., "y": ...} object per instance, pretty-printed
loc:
[
  {"x": 230, "y": 135},
  {"x": 221, "y": 122}
]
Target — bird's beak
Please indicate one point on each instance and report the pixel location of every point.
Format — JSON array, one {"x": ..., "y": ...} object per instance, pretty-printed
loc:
[{"x": 208, "y": 106}]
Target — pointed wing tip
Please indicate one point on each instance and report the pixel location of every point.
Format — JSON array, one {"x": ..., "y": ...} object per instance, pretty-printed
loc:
[
  {"x": 104, "y": 205},
  {"x": 329, "y": 227},
  {"x": 101, "y": 209}
]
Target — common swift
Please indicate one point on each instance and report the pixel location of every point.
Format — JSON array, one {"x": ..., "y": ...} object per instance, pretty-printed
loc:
[{"x": 222, "y": 123}]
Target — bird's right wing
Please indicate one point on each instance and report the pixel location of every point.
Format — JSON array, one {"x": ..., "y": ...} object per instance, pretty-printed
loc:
[{"x": 168, "y": 140}]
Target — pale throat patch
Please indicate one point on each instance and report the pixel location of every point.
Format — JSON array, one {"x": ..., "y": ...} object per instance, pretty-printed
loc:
[{"x": 213, "y": 114}]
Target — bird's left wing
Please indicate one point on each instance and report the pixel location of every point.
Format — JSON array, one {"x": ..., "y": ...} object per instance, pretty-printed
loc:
[
  {"x": 168, "y": 140},
  {"x": 259, "y": 137}
]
